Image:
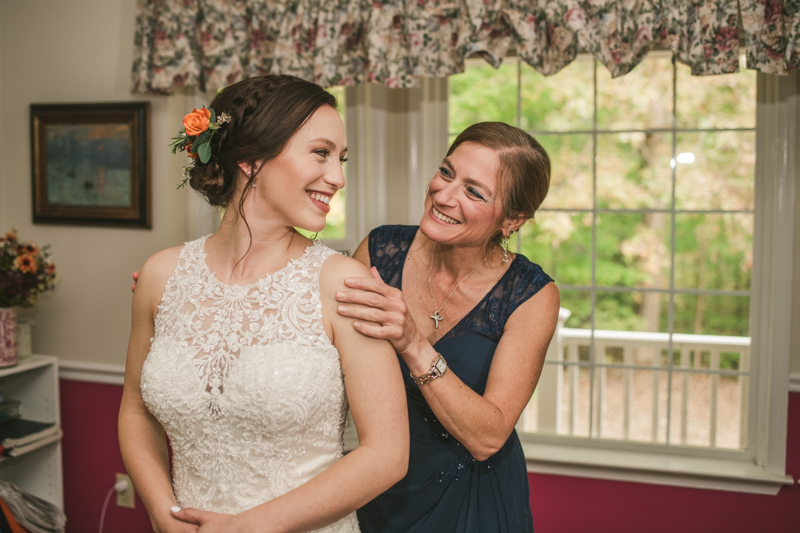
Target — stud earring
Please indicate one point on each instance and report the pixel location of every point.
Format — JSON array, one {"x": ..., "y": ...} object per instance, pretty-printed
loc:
[{"x": 504, "y": 244}]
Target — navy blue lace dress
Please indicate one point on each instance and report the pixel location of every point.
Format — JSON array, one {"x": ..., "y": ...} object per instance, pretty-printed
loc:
[{"x": 446, "y": 490}]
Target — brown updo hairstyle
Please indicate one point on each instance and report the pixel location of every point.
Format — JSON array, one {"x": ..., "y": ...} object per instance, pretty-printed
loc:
[
  {"x": 265, "y": 111},
  {"x": 524, "y": 174}
]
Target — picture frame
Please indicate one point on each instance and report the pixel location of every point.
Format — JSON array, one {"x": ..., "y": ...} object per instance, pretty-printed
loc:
[{"x": 91, "y": 164}]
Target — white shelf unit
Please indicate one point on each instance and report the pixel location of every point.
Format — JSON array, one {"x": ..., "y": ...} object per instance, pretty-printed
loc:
[{"x": 34, "y": 382}]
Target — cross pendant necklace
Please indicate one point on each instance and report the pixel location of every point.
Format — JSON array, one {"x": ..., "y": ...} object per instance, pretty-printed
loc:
[{"x": 436, "y": 317}]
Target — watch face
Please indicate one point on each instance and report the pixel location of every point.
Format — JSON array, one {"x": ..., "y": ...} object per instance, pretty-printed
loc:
[{"x": 441, "y": 365}]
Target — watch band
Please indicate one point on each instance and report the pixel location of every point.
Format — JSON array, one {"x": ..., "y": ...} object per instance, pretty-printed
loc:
[{"x": 438, "y": 368}]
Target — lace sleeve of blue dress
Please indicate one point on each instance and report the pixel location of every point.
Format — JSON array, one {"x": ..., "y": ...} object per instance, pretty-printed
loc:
[{"x": 388, "y": 247}]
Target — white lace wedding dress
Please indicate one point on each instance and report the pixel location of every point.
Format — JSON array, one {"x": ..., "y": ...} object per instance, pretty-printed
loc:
[{"x": 246, "y": 384}]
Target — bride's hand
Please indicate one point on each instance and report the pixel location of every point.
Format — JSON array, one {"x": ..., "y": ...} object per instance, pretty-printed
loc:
[
  {"x": 168, "y": 523},
  {"x": 208, "y": 522},
  {"x": 384, "y": 310}
]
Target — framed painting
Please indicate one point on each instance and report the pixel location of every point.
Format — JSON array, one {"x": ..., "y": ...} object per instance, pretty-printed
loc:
[{"x": 91, "y": 164}]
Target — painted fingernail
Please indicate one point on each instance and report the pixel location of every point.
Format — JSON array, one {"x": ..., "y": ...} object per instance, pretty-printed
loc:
[
  {"x": 174, "y": 508},
  {"x": 357, "y": 324},
  {"x": 348, "y": 281},
  {"x": 340, "y": 296},
  {"x": 342, "y": 308}
]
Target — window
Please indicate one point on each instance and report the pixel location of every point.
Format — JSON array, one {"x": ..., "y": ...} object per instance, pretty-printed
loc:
[{"x": 648, "y": 230}]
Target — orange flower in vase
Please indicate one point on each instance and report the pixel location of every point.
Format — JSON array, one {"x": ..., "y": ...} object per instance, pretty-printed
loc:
[
  {"x": 25, "y": 272},
  {"x": 26, "y": 264}
]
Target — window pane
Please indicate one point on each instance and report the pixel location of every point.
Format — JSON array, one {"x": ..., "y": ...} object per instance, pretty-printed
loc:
[
  {"x": 644, "y": 406},
  {"x": 711, "y": 314},
  {"x": 575, "y": 401},
  {"x": 727, "y": 101},
  {"x": 730, "y": 432},
  {"x": 571, "y": 179},
  {"x": 630, "y": 404},
  {"x": 713, "y": 251},
  {"x": 715, "y": 170},
  {"x": 561, "y": 243},
  {"x": 562, "y": 102},
  {"x": 642, "y": 99},
  {"x": 633, "y": 250},
  {"x": 482, "y": 93},
  {"x": 625, "y": 312},
  {"x": 633, "y": 170},
  {"x": 579, "y": 304},
  {"x": 690, "y": 409}
]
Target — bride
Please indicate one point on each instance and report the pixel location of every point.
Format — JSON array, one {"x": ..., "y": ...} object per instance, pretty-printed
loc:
[{"x": 236, "y": 349}]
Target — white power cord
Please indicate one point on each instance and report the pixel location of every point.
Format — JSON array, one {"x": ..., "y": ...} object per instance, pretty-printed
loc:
[{"x": 119, "y": 486}]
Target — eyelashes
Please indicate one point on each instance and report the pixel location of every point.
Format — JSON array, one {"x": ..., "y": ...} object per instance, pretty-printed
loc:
[
  {"x": 448, "y": 175},
  {"x": 475, "y": 193},
  {"x": 327, "y": 153}
]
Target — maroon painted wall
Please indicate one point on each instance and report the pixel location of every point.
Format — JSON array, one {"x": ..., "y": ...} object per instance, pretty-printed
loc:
[
  {"x": 92, "y": 458},
  {"x": 560, "y": 504},
  {"x": 570, "y": 504}
]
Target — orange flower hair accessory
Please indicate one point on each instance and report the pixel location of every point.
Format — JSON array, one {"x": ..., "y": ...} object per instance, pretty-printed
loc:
[
  {"x": 196, "y": 122},
  {"x": 198, "y": 128}
]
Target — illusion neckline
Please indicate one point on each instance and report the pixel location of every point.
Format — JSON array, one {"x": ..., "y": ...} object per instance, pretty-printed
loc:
[{"x": 212, "y": 276}]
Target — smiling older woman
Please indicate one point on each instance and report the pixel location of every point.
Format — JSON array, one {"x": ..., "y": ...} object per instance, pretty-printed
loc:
[{"x": 471, "y": 328}]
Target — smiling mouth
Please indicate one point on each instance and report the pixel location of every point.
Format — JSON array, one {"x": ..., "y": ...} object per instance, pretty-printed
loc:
[
  {"x": 324, "y": 198},
  {"x": 444, "y": 218}
]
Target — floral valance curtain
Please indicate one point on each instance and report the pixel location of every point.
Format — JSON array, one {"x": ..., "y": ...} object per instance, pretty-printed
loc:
[{"x": 212, "y": 43}]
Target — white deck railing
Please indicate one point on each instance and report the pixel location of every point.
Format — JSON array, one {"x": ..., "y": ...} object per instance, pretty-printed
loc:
[{"x": 574, "y": 387}]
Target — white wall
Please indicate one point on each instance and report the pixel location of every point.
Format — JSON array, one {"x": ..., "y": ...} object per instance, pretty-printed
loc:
[{"x": 69, "y": 51}]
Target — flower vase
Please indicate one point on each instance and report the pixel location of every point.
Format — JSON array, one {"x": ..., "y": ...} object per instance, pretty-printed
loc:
[{"x": 8, "y": 336}]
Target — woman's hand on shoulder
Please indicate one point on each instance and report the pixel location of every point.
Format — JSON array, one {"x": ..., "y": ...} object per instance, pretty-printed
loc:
[{"x": 379, "y": 310}]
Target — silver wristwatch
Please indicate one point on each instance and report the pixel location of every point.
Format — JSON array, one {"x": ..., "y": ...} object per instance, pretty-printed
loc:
[{"x": 437, "y": 370}]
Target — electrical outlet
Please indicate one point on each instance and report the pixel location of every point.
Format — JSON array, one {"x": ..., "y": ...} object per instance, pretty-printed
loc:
[{"x": 125, "y": 497}]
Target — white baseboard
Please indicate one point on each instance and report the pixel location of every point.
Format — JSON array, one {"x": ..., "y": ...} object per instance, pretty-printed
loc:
[
  {"x": 794, "y": 382},
  {"x": 91, "y": 372}
]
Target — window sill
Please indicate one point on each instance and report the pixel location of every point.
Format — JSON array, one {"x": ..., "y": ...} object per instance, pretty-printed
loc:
[{"x": 640, "y": 467}]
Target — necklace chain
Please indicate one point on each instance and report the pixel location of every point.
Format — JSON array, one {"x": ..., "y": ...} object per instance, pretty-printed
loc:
[{"x": 436, "y": 317}]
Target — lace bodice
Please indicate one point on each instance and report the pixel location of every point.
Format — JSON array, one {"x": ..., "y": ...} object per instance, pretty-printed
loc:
[{"x": 246, "y": 383}]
